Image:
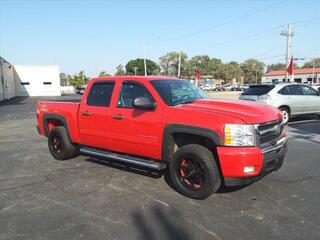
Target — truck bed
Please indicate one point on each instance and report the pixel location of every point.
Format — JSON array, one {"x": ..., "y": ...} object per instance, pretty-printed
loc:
[{"x": 74, "y": 100}]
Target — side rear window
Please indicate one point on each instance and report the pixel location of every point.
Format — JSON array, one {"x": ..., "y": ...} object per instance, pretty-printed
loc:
[
  {"x": 258, "y": 90},
  {"x": 100, "y": 94},
  {"x": 309, "y": 91},
  {"x": 291, "y": 90}
]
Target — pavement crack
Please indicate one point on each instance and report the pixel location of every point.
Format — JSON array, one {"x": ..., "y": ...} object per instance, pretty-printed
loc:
[
  {"x": 107, "y": 219},
  {"x": 202, "y": 228},
  {"x": 306, "y": 220},
  {"x": 22, "y": 185},
  {"x": 295, "y": 180},
  {"x": 151, "y": 197}
]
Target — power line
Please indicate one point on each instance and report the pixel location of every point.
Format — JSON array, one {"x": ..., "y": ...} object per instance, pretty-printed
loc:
[
  {"x": 270, "y": 51},
  {"x": 222, "y": 24},
  {"x": 250, "y": 37},
  {"x": 271, "y": 57},
  {"x": 307, "y": 21}
]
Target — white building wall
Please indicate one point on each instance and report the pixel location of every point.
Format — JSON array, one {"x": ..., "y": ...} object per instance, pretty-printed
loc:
[
  {"x": 302, "y": 78},
  {"x": 37, "y": 80}
]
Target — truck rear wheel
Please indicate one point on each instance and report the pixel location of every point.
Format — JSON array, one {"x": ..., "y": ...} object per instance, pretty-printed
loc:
[
  {"x": 59, "y": 144},
  {"x": 194, "y": 172}
]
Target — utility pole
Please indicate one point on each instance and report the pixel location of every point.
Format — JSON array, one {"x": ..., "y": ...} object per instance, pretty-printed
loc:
[
  {"x": 145, "y": 60},
  {"x": 256, "y": 75},
  {"x": 288, "y": 34},
  {"x": 83, "y": 78},
  {"x": 179, "y": 65},
  {"x": 313, "y": 80}
]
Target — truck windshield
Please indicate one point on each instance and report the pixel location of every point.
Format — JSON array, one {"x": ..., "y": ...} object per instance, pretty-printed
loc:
[
  {"x": 175, "y": 92},
  {"x": 258, "y": 90}
]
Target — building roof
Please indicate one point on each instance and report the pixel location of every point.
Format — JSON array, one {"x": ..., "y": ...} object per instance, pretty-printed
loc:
[{"x": 295, "y": 72}]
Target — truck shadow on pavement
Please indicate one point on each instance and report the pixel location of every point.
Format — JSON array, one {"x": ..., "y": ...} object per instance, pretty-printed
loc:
[
  {"x": 160, "y": 223},
  {"x": 153, "y": 173},
  {"x": 13, "y": 101}
]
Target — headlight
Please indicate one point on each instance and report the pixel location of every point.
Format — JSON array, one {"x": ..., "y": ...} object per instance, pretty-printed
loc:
[{"x": 239, "y": 135}]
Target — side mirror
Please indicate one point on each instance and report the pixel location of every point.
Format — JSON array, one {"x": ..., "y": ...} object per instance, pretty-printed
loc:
[{"x": 144, "y": 103}]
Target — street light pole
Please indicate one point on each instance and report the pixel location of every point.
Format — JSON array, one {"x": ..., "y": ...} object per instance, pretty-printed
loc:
[
  {"x": 135, "y": 70},
  {"x": 145, "y": 60},
  {"x": 179, "y": 66}
]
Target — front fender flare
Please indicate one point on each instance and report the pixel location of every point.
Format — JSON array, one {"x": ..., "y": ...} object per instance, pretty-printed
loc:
[{"x": 179, "y": 128}]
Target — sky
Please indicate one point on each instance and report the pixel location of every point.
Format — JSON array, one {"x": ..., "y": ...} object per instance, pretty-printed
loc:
[{"x": 99, "y": 35}]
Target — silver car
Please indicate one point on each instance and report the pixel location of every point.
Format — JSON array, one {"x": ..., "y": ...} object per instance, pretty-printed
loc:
[{"x": 291, "y": 98}]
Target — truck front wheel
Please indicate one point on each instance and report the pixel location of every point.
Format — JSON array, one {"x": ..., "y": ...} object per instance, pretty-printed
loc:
[
  {"x": 194, "y": 171},
  {"x": 59, "y": 144}
]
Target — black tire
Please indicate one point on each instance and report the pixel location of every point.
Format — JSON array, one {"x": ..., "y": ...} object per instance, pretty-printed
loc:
[
  {"x": 204, "y": 170},
  {"x": 59, "y": 144},
  {"x": 286, "y": 114}
]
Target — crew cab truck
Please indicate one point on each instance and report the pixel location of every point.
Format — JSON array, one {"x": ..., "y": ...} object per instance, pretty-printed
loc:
[{"x": 162, "y": 122}]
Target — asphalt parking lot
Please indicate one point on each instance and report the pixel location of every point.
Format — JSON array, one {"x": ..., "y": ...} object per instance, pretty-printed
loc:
[{"x": 83, "y": 198}]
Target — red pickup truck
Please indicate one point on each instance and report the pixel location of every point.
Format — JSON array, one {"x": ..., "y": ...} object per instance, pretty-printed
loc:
[{"x": 162, "y": 122}]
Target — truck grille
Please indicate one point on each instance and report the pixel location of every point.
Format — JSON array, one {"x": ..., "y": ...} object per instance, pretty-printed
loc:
[{"x": 269, "y": 132}]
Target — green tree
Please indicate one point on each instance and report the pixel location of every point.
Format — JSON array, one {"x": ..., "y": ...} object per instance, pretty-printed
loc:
[
  {"x": 79, "y": 79},
  {"x": 201, "y": 62},
  {"x": 120, "y": 71},
  {"x": 104, "y": 74},
  {"x": 252, "y": 70},
  {"x": 138, "y": 64},
  {"x": 216, "y": 67},
  {"x": 65, "y": 79},
  {"x": 169, "y": 64},
  {"x": 312, "y": 63},
  {"x": 276, "y": 67},
  {"x": 232, "y": 70}
]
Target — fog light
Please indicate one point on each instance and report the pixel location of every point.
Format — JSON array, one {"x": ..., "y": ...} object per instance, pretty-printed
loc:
[{"x": 248, "y": 169}]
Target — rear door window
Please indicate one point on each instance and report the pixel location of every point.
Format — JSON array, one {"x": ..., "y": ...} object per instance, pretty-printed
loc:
[
  {"x": 100, "y": 94},
  {"x": 291, "y": 90},
  {"x": 258, "y": 90}
]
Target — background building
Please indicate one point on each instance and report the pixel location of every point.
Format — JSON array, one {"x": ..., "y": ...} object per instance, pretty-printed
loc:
[
  {"x": 37, "y": 80},
  {"x": 303, "y": 75},
  {"x": 28, "y": 80},
  {"x": 7, "y": 82}
]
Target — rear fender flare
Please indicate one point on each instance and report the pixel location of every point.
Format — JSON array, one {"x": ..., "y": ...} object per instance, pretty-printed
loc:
[{"x": 60, "y": 118}]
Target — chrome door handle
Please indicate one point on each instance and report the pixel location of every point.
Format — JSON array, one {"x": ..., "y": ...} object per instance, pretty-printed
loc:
[
  {"x": 118, "y": 117},
  {"x": 86, "y": 113}
]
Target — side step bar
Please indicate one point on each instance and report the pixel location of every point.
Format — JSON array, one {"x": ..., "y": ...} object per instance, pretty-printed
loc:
[{"x": 123, "y": 158}]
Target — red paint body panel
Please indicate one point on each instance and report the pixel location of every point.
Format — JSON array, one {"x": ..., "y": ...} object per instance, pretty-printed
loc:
[
  {"x": 141, "y": 132},
  {"x": 234, "y": 159},
  {"x": 68, "y": 110}
]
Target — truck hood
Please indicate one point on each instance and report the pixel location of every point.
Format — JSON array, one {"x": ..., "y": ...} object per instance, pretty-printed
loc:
[{"x": 248, "y": 111}]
